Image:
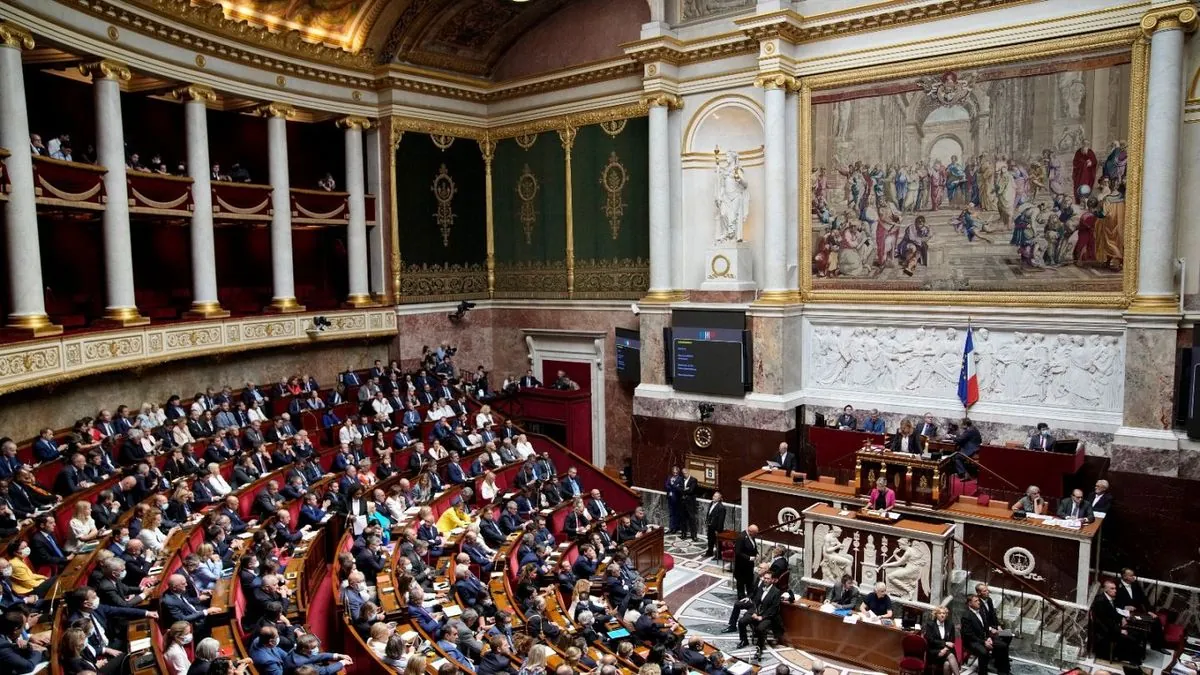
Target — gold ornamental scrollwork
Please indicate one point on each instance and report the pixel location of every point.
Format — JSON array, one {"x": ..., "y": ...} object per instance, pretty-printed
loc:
[
  {"x": 662, "y": 99},
  {"x": 107, "y": 69},
  {"x": 613, "y": 127},
  {"x": 527, "y": 189},
  {"x": 194, "y": 92},
  {"x": 444, "y": 190},
  {"x": 276, "y": 109},
  {"x": 442, "y": 141},
  {"x": 354, "y": 122},
  {"x": 526, "y": 141},
  {"x": 614, "y": 177},
  {"x": 1172, "y": 18},
  {"x": 15, "y": 36}
]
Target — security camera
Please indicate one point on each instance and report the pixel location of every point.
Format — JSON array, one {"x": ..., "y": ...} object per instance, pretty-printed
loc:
[{"x": 635, "y": 309}]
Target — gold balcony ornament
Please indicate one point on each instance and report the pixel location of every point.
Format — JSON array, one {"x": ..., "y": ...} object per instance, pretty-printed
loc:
[
  {"x": 614, "y": 178},
  {"x": 107, "y": 69},
  {"x": 444, "y": 190},
  {"x": 613, "y": 127},
  {"x": 276, "y": 109},
  {"x": 12, "y": 35},
  {"x": 194, "y": 92},
  {"x": 354, "y": 122},
  {"x": 1179, "y": 17},
  {"x": 663, "y": 99},
  {"x": 442, "y": 141},
  {"x": 527, "y": 189},
  {"x": 526, "y": 141}
]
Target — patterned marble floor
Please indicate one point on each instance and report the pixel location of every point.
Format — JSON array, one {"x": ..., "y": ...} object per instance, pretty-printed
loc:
[{"x": 700, "y": 594}]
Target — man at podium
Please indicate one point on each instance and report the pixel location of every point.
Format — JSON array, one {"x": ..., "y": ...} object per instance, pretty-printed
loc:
[{"x": 1041, "y": 439}]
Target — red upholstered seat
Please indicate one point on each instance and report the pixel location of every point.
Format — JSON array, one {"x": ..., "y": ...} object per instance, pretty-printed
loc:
[
  {"x": 983, "y": 499},
  {"x": 910, "y": 665},
  {"x": 914, "y": 646}
]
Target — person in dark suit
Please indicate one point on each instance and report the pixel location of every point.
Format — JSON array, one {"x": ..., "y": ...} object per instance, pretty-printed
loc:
[
  {"x": 939, "y": 642},
  {"x": 175, "y": 605},
  {"x": 906, "y": 440},
  {"x": 1130, "y": 595},
  {"x": 1076, "y": 507},
  {"x": 692, "y": 653},
  {"x": 714, "y": 525},
  {"x": 967, "y": 443},
  {"x": 689, "y": 505},
  {"x": 847, "y": 420},
  {"x": 73, "y": 478},
  {"x": 1111, "y": 638},
  {"x": 844, "y": 595},
  {"x": 576, "y": 524},
  {"x": 977, "y": 638},
  {"x": 44, "y": 548},
  {"x": 648, "y": 629},
  {"x": 927, "y": 427},
  {"x": 15, "y": 658},
  {"x": 1041, "y": 439},
  {"x": 674, "y": 489},
  {"x": 783, "y": 459},
  {"x": 760, "y": 614},
  {"x": 745, "y": 552},
  {"x": 1101, "y": 499},
  {"x": 112, "y": 589},
  {"x": 269, "y": 500}
]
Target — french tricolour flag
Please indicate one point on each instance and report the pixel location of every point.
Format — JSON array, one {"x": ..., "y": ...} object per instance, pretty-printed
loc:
[{"x": 968, "y": 383}]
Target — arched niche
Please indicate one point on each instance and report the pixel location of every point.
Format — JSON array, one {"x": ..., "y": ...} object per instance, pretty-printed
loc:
[{"x": 733, "y": 122}]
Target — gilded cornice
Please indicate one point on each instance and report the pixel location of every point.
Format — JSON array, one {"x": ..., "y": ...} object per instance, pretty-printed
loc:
[
  {"x": 275, "y": 109},
  {"x": 678, "y": 52},
  {"x": 1179, "y": 17},
  {"x": 402, "y": 124},
  {"x": 777, "y": 80},
  {"x": 292, "y": 42},
  {"x": 354, "y": 122},
  {"x": 194, "y": 92},
  {"x": 492, "y": 134},
  {"x": 107, "y": 69},
  {"x": 12, "y": 35}
]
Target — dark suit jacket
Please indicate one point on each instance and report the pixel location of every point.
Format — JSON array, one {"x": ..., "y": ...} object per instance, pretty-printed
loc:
[
  {"x": 787, "y": 461},
  {"x": 714, "y": 521},
  {"x": 173, "y": 607},
  {"x": 974, "y": 633},
  {"x": 927, "y": 430},
  {"x": 766, "y": 602},
  {"x": 843, "y": 597},
  {"x": 113, "y": 593},
  {"x": 1106, "y": 622},
  {"x": 68, "y": 481},
  {"x": 1137, "y": 599},
  {"x": 1103, "y": 505},
  {"x": 41, "y": 553},
  {"x": 914, "y": 443},
  {"x": 934, "y": 642},
  {"x": 1084, "y": 511},
  {"x": 744, "y": 554},
  {"x": 968, "y": 442}
]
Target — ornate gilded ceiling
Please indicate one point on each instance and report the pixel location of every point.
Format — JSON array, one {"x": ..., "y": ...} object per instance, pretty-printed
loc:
[{"x": 465, "y": 36}]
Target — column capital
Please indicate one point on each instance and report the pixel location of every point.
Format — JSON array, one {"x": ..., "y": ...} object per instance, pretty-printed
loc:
[
  {"x": 567, "y": 136},
  {"x": 777, "y": 80},
  {"x": 194, "y": 92},
  {"x": 487, "y": 146},
  {"x": 275, "y": 109},
  {"x": 106, "y": 69},
  {"x": 12, "y": 35},
  {"x": 663, "y": 99},
  {"x": 354, "y": 122},
  {"x": 1178, "y": 17}
]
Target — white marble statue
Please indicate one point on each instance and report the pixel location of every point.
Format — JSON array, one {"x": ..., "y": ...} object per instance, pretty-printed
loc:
[
  {"x": 907, "y": 569},
  {"x": 1077, "y": 371},
  {"x": 832, "y": 556},
  {"x": 732, "y": 199}
]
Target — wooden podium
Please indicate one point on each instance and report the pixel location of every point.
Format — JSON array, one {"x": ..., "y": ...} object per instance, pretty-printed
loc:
[{"x": 917, "y": 480}]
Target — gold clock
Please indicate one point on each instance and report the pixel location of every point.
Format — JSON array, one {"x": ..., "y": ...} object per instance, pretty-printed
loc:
[{"x": 702, "y": 436}]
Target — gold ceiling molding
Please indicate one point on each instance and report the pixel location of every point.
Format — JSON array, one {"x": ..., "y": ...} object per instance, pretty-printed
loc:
[
  {"x": 679, "y": 52},
  {"x": 401, "y": 124},
  {"x": 481, "y": 91},
  {"x": 147, "y": 25},
  {"x": 788, "y": 25},
  {"x": 211, "y": 17}
]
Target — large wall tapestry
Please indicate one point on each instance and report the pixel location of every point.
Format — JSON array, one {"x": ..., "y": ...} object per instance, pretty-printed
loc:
[
  {"x": 1011, "y": 177},
  {"x": 530, "y": 214},
  {"x": 443, "y": 218}
]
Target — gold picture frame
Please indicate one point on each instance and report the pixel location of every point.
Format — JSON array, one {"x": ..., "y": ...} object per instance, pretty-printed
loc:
[
  {"x": 1127, "y": 38},
  {"x": 706, "y": 470}
]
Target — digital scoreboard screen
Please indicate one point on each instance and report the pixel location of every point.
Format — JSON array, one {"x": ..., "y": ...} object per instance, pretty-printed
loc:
[
  {"x": 709, "y": 352},
  {"x": 629, "y": 355}
]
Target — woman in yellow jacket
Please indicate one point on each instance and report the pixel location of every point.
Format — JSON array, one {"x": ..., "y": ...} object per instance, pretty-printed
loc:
[
  {"x": 454, "y": 517},
  {"x": 24, "y": 580}
]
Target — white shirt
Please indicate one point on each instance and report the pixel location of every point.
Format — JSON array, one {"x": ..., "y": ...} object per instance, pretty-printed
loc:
[
  {"x": 349, "y": 434},
  {"x": 79, "y": 529},
  {"x": 256, "y": 414},
  {"x": 153, "y": 539},
  {"x": 488, "y": 491},
  {"x": 177, "y": 660},
  {"x": 483, "y": 419},
  {"x": 219, "y": 485},
  {"x": 381, "y": 406},
  {"x": 525, "y": 450},
  {"x": 904, "y": 444}
]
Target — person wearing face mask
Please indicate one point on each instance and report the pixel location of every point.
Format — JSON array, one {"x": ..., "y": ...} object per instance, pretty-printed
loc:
[
  {"x": 112, "y": 589},
  {"x": 178, "y": 637},
  {"x": 1041, "y": 439},
  {"x": 9, "y": 598},
  {"x": 176, "y": 606},
  {"x": 108, "y": 623},
  {"x": 308, "y": 653},
  {"x": 138, "y": 560},
  {"x": 24, "y": 580},
  {"x": 355, "y": 593}
]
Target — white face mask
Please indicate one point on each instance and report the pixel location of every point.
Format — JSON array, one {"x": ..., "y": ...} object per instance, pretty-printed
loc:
[
  {"x": 91, "y": 604},
  {"x": 24, "y": 552},
  {"x": 6, "y": 573},
  {"x": 185, "y": 639}
]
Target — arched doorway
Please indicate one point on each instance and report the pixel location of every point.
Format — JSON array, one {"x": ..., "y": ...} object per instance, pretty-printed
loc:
[{"x": 943, "y": 149}]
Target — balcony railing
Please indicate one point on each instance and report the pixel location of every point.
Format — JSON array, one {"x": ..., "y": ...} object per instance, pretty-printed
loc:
[
  {"x": 68, "y": 184},
  {"x": 319, "y": 207},
  {"x": 159, "y": 195}
]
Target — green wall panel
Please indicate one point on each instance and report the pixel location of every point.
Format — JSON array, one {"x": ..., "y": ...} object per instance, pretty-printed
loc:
[
  {"x": 599, "y": 232},
  {"x": 530, "y": 223}
]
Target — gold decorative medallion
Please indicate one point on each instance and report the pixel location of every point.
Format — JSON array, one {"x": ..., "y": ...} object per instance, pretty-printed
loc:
[
  {"x": 702, "y": 436},
  {"x": 114, "y": 34},
  {"x": 442, "y": 141},
  {"x": 613, "y": 127},
  {"x": 281, "y": 81},
  {"x": 614, "y": 177},
  {"x": 201, "y": 61},
  {"x": 719, "y": 267},
  {"x": 444, "y": 190},
  {"x": 527, "y": 189},
  {"x": 356, "y": 95},
  {"x": 526, "y": 141}
]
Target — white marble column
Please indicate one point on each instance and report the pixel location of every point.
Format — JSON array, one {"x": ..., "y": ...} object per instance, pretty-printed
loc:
[
  {"x": 375, "y": 252},
  {"x": 1160, "y": 177},
  {"x": 660, "y": 197},
  {"x": 107, "y": 76},
  {"x": 283, "y": 297},
  {"x": 28, "y": 304},
  {"x": 205, "y": 303},
  {"x": 356, "y": 228},
  {"x": 775, "y": 286}
]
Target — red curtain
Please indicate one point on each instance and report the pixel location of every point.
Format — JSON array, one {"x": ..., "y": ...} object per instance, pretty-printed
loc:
[{"x": 578, "y": 371}]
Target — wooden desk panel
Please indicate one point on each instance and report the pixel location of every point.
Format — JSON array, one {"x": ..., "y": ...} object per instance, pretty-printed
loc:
[{"x": 872, "y": 646}]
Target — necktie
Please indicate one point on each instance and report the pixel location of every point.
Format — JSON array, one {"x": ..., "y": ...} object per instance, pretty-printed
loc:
[
  {"x": 1074, "y": 509},
  {"x": 101, "y": 636},
  {"x": 57, "y": 551}
]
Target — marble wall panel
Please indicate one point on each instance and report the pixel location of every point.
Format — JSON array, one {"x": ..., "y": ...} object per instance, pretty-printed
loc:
[
  {"x": 724, "y": 414},
  {"x": 430, "y": 325},
  {"x": 1150, "y": 377},
  {"x": 653, "y": 366},
  {"x": 23, "y": 413}
]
